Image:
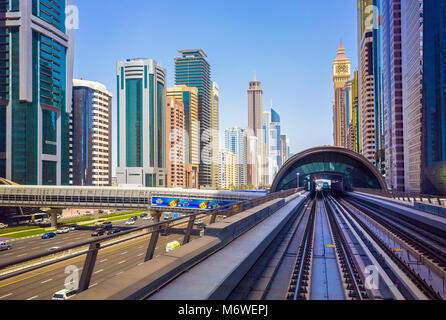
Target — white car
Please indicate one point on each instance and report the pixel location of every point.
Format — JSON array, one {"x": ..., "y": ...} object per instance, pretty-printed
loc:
[
  {"x": 147, "y": 218},
  {"x": 63, "y": 230},
  {"x": 53, "y": 249},
  {"x": 2, "y": 225},
  {"x": 129, "y": 222},
  {"x": 5, "y": 246},
  {"x": 64, "y": 294}
]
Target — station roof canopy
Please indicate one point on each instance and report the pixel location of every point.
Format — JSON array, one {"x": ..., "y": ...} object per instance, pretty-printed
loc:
[{"x": 356, "y": 170}]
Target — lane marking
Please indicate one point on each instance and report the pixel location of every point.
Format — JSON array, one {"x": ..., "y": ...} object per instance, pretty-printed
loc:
[
  {"x": 32, "y": 298},
  {"x": 119, "y": 273},
  {"x": 21, "y": 255},
  {"x": 139, "y": 255},
  {"x": 99, "y": 271},
  {"x": 95, "y": 284},
  {"x": 140, "y": 263},
  {"x": 124, "y": 252},
  {"x": 6, "y": 295},
  {"x": 121, "y": 261},
  {"x": 48, "y": 280},
  {"x": 103, "y": 260}
]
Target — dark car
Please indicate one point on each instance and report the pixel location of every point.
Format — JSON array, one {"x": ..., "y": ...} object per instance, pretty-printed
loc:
[
  {"x": 107, "y": 225},
  {"x": 113, "y": 231},
  {"x": 98, "y": 232},
  {"x": 143, "y": 215},
  {"x": 48, "y": 235},
  {"x": 134, "y": 218}
]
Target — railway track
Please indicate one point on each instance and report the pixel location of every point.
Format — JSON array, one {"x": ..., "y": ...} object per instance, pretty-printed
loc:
[{"x": 414, "y": 277}]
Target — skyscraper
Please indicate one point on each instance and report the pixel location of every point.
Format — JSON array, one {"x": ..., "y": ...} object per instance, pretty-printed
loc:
[
  {"x": 236, "y": 141},
  {"x": 284, "y": 148},
  {"x": 35, "y": 92},
  {"x": 228, "y": 169},
  {"x": 141, "y": 123},
  {"x": 412, "y": 61},
  {"x": 353, "y": 128},
  {"x": 215, "y": 137},
  {"x": 341, "y": 75},
  {"x": 192, "y": 69},
  {"x": 189, "y": 97},
  {"x": 393, "y": 94},
  {"x": 271, "y": 134},
  {"x": 91, "y": 134},
  {"x": 366, "y": 82},
  {"x": 255, "y": 125}
]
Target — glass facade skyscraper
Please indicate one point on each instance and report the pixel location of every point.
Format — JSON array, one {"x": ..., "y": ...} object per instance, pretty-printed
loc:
[
  {"x": 236, "y": 141},
  {"x": 192, "y": 70},
  {"x": 36, "y": 72},
  {"x": 141, "y": 123}
]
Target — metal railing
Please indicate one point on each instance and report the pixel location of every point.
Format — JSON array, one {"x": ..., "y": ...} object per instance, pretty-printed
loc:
[
  {"x": 153, "y": 230},
  {"x": 406, "y": 196}
]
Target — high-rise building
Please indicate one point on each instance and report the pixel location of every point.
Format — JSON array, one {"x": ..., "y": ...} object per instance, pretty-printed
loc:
[
  {"x": 353, "y": 128},
  {"x": 255, "y": 125},
  {"x": 228, "y": 169},
  {"x": 284, "y": 148},
  {"x": 271, "y": 143},
  {"x": 393, "y": 94},
  {"x": 177, "y": 176},
  {"x": 412, "y": 61},
  {"x": 192, "y": 70},
  {"x": 91, "y": 134},
  {"x": 215, "y": 137},
  {"x": 366, "y": 82},
  {"x": 236, "y": 141},
  {"x": 141, "y": 123},
  {"x": 434, "y": 98},
  {"x": 189, "y": 97},
  {"x": 341, "y": 75},
  {"x": 35, "y": 92}
]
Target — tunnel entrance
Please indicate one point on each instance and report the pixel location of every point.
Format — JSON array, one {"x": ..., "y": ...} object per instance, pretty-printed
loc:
[{"x": 344, "y": 168}]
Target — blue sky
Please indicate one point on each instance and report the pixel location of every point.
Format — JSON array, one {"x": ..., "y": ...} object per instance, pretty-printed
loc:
[{"x": 290, "y": 44}]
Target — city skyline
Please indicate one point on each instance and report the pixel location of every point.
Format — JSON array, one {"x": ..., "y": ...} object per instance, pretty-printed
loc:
[{"x": 290, "y": 63}]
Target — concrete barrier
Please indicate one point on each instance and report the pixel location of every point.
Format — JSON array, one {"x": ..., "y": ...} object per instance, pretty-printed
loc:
[{"x": 429, "y": 208}]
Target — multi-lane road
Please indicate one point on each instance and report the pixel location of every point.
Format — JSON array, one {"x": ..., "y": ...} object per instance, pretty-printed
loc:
[{"x": 42, "y": 283}]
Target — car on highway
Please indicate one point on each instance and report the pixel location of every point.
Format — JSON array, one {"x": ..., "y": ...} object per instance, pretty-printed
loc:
[
  {"x": 142, "y": 215},
  {"x": 53, "y": 249},
  {"x": 64, "y": 294},
  {"x": 200, "y": 224},
  {"x": 107, "y": 225},
  {"x": 113, "y": 231},
  {"x": 167, "y": 216},
  {"x": 147, "y": 217},
  {"x": 134, "y": 218},
  {"x": 48, "y": 235},
  {"x": 63, "y": 230},
  {"x": 98, "y": 232},
  {"x": 5, "y": 246},
  {"x": 3, "y": 226},
  {"x": 183, "y": 215},
  {"x": 74, "y": 227},
  {"x": 130, "y": 222}
]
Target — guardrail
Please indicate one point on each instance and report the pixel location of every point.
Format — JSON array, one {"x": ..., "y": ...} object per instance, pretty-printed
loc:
[
  {"x": 406, "y": 196},
  {"x": 153, "y": 230}
]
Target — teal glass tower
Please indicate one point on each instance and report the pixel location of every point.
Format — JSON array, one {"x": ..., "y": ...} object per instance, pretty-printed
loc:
[
  {"x": 141, "y": 123},
  {"x": 36, "y": 71},
  {"x": 192, "y": 70}
]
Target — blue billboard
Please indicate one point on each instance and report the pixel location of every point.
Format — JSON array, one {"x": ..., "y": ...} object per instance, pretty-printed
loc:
[{"x": 193, "y": 204}]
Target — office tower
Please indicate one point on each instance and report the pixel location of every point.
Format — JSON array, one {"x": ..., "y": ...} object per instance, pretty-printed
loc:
[
  {"x": 215, "y": 137},
  {"x": 189, "y": 97},
  {"x": 412, "y": 61},
  {"x": 236, "y": 141},
  {"x": 141, "y": 123},
  {"x": 228, "y": 169},
  {"x": 256, "y": 157},
  {"x": 366, "y": 82},
  {"x": 347, "y": 102},
  {"x": 271, "y": 142},
  {"x": 192, "y": 70},
  {"x": 35, "y": 92},
  {"x": 434, "y": 98},
  {"x": 284, "y": 148},
  {"x": 176, "y": 147},
  {"x": 393, "y": 94},
  {"x": 91, "y": 134},
  {"x": 341, "y": 75},
  {"x": 377, "y": 62},
  {"x": 353, "y": 128}
]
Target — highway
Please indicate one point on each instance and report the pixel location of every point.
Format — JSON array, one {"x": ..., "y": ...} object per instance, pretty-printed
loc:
[{"x": 40, "y": 284}]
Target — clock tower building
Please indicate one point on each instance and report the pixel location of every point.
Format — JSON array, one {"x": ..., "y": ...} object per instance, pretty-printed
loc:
[{"x": 341, "y": 105}]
